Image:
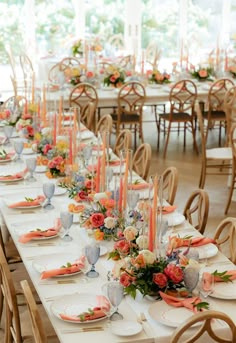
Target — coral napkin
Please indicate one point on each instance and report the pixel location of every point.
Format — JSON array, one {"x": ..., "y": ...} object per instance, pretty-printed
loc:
[
  {"x": 207, "y": 278},
  {"x": 189, "y": 303},
  {"x": 73, "y": 268},
  {"x": 35, "y": 202},
  {"x": 167, "y": 209},
  {"x": 19, "y": 175},
  {"x": 138, "y": 186},
  {"x": 177, "y": 242},
  {"x": 99, "y": 311},
  {"x": 52, "y": 231}
]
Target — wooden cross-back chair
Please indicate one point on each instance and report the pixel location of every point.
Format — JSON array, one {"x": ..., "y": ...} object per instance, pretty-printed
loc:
[
  {"x": 215, "y": 112},
  {"x": 225, "y": 237},
  {"x": 232, "y": 138},
  {"x": 230, "y": 111},
  {"x": 153, "y": 54},
  {"x": 104, "y": 124},
  {"x": 127, "y": 62},
  {"x": 88, "y": 116},
  {"x": 170, "y": 184},
  {"x": 26, "y": 66},
  {"x": 216, "y": 161},
  {"x": 182, "y": 99},
  {"x": 202, "y": 323},
  {"x": 54, "y": 74},
  {"x": 197, "y": 209},
  {"x": 123, "y": 141},
  {"x": 117, "y": 42},
  {"x": 142, "y": 160},
  {"x": 129, "y": 112},
  {"x": 69, "y": 63}
]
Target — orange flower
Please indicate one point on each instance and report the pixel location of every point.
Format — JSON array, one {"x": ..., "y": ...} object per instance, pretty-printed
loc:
[
  {"x": 98, "y": 235},
  {"x": 107, "y": 203}
]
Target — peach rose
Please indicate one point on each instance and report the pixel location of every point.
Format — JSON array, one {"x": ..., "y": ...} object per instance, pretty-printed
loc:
[
  {"x": 160, "y": 279},
  {"x": 126, "y": 279},
  {"x": 203, "y": 73},
  {"x": 97, "y": 219},
  {"x": 130, "y": 233},
  {"x": 174, "y": 272}
]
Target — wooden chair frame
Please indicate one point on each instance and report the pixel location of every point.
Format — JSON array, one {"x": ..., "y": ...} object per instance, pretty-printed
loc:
[
  {"x": 226, "y": 233},
  {"x": 197, "y": 205},
  {"x": 229, "y": 108},
  {"x": 142, "y": 160},
  {"x": 182, "y": 100},
  {"x": 208, "y": 318},
  {"x": 233, "y": 172},
  {"x": 123, "y": 141},
  {"x": 104, "y": 124},
  {"x": 170, "y": 184},
  {"x": 88, "y": 116}
]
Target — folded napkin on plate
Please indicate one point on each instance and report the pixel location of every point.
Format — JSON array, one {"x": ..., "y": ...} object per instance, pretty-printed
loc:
[
  {"x": 73, "y": 268},
  {"x": 139, "y": 186},
  {"x": 167, "y": 209},
  {"x": 52, "y": 231},
  {"x": 7, "y": 156},
  {"x": 189, "y": 303},
  {"x": 228, "y": 276},
  {"x": 115, "y": 163},
  {"x": 14, "y": 176},
  {"x": 103, "y": 306},
  {"x": 24, "y": 203},
  {"x": 177, "y": 242}
]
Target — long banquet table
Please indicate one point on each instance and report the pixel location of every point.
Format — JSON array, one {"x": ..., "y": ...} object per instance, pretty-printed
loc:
[{"x": 51, "y": 289}]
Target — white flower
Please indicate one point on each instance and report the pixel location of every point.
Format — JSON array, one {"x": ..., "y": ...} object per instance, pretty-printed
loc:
[
  {"x": 82, "y": 78},
  {"x": 149, "y": 257},
  {"x": 116, "y": 271},
  {"x": 110, "y": 222},
  {"x": 142, "y": 242},
  {"x": 46, "y": 131},
  {"x": 99, "y": 196},
  {"x": 130, "y": 233},
  {"x": 34, "y": 147}
]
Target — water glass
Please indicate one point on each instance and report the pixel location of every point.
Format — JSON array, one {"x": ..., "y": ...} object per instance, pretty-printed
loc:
[
  {"x": 207, "y": 282},
  {"x": 31, "y": 166},
  {"x": 132, "y": 198},
  {"x": 191, "y": 278},
  {"x": 87, "y": 153},
  {"x": 109, "y": 176},
  {"x": 66, "y": 222},
  {"x": 8, "y": 131},
  {"x": 92, "y": 252},
  {"x": 18, "y": 146},
  {"x": 115, "y": 294},
  {"x": 48, "y": 191}
]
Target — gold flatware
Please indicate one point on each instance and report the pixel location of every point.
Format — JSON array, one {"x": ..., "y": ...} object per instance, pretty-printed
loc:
[{"x": 90, "y": 329}]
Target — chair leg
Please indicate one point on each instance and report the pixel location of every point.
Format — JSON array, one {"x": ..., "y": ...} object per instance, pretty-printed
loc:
[
  {"x": 167, "y": 139},
  {"x": 202, "y": 177},
  {"x": 194, "y": 137},
  {"x": 232, "y": 187}
]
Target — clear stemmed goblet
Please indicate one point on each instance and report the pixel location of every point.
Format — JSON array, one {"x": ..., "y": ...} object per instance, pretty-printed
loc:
[
  {"x": 87, "y": 153},
  {"x": 66, "y": 222},
  {"x": 92, "y": 252},
  {"x": 115, "y": 294},
  {"x": 31, "y": 166},
  {"x": 132, "y": 200},
  {"x": 18, "y": 146},
  {"x": 48, "y": 191},
  {"x": 109, "y": 176},
  {"x": 8, "y": 131},
  {"x": 191, "y": 277}
]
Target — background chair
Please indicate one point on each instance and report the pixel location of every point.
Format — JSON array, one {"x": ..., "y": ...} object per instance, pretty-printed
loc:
[
  {"x": 230, "y": 111},
  {"x": 142, "y": 160},
  {"x": 225, "y": 237},
  {"x": 69, "y": 63},
  {"x": 233, "y": 171},
  {"x": 38, "y": 329},
  {"x": 196, "y": 209},
  {"x": 104, "y": 124},
  {"x": 214, "y": 161},
  {"x": 129, "y": 112},
  {"x": 215, "y": 112},
  {"x": 182, "y": 100},
  {"x": 170, "y": 184},
  {"x": 123, "y": 141},
  {"x": 206, "y": 319},
  {"x": 88, "y": 116}
]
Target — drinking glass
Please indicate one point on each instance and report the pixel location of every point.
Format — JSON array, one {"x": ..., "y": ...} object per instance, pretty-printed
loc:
[
  {"x": 31, "y": 166},
  {"x": 48, "y": 191},
  {"x": 109, "y": 176},
  {"x": 66, "y": 222},
  {"x": 92, "y": 252},
  {"x": 8, "y": 131},
  {"x": 87, "y": 153},
  {"x": 115, "y": 293},
  {"x": 18, "y": 146},
  {"x": 132, "y": 198},
  {"x": 191, "y": 277},
  {"x": 207, "y": 282}
]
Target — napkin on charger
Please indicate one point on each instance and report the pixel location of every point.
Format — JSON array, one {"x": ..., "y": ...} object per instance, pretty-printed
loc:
[
  {"x": 207, "y": 278},
  {"x": 99, "y": 311},
  {"x": 24, "y": 203},
  {"x": 138, "y": 186},
  {"x": 189, "y": 303},
  {"x": 19, "y": 175},
  {"x": 74, "y": 268},
  {"x": 52, "y": 231}
]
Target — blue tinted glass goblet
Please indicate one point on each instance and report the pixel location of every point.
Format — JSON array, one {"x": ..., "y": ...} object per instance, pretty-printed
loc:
[
  {"x": 31, "y": 166},
  {"x": 18, "y": 146},
  {"x": 48, "y": 191},
  {"x": 115, "y": 293},
  {"x": 92, "y": 252},
  {"x": 8, "y": 131},
  {"x": 66, "y": 222}
]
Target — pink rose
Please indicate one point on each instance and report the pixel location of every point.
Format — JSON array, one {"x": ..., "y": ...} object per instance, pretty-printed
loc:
[
  {"x": 174, "y": 272},
  {"x": 30, "y": 131},
  {"x": 89, "y": 74},
  {"x": 97, "y": 219},
  {"x": 122, "y": 246},
  {"x": 128, "y": 73},
  {"x": 112, "y": 79},
  {"x": 83, "y": 195},
  {"x": 88, "y": 183},
  {"x": 46, "y": 148},
  {"x": 203, "y": 73},
  {"x": 126, "y": 279},
  {"x": 160, "y": 279}
]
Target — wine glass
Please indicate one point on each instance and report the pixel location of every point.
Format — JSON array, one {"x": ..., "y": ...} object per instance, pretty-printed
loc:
[
  {"x": 66, "y": 222},
  {"x": 48, "y": 190},
  {"x": 109, "y": 176},
  {"x": 191, "y": 277},
  {"x": 92, "y": 252},
  {"x": 8, "y": 131},
  {"x": 31, "y": 166},
  {"x": 207, "y": 282},
  {"x": 132, "y": 198},
  {"x": 115, "y": 293},
  {"x": 18, "y": 146},
  {"x": 87, "y": 153}
]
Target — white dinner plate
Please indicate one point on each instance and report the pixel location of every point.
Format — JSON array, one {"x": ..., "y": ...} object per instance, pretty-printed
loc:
[
  {"x": 107, "y": 88},
  {"x": 224, "y": 290},
  {"x": 41, "y": 169},
  {"x": 174, "y": 218},
  {"x": 28, "y": 151},
  {"x": 24, "y": 207},
  {"x": 206, "y": 251},
  {"x": 54, "y": 261},
  {"x": 12, "y": 180},
  {"x": 5, "y": 160},
  {"x": 85, "y": 135},
  {"x": 73, "y": 305},
  {"x": 128, "y": 328},
  {"x": 168, "y": 315},
  {"x": 60, "y": 191}
]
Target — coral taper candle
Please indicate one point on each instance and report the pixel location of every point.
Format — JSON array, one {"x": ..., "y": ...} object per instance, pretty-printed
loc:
[
  {"x": 103, "y": 166},
  {"x": 125, "y": 183},
  {"x": 120, "y": 195},
  {"x": 54, "y": 129},
  {"x": 150, "y": 232},
  {"x": 154, "y": 210},
  {"x": 33, "y": 89},
  {"x": 70, "y": 147},
  {"x": 60, "y": 114},
  {"x": 98, "y": 175}
]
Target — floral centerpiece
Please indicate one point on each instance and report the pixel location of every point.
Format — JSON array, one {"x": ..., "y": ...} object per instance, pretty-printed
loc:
[
  {"x": 43, "y": 141},
  {"x": 80, "y": 189},
  {"x": 57, "y": 159},
  {"x": 114, "y": 77},
  {"x": 78, "y": 47},
  {"x": 73, "y": 75},
  {"x": 232, "y": 70},
  {"x": 203, "y": 74},
  {"x": 156, "y": 77},
  {"x": 96, "y": 45},
  {"x": 25, "y": 126}
]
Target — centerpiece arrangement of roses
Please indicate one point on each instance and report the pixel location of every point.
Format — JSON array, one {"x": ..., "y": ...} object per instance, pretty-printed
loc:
[
  {"x": 114, "y": 76},
  {"x": 203, "y": 74},
  {"x": 156, "y": 77},
  {"x": 80, "y": 188},
  {"x": 57, "y": 159}
]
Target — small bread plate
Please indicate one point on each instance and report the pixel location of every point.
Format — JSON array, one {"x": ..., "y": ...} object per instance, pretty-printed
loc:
[{"x": 128, "y": 328}]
